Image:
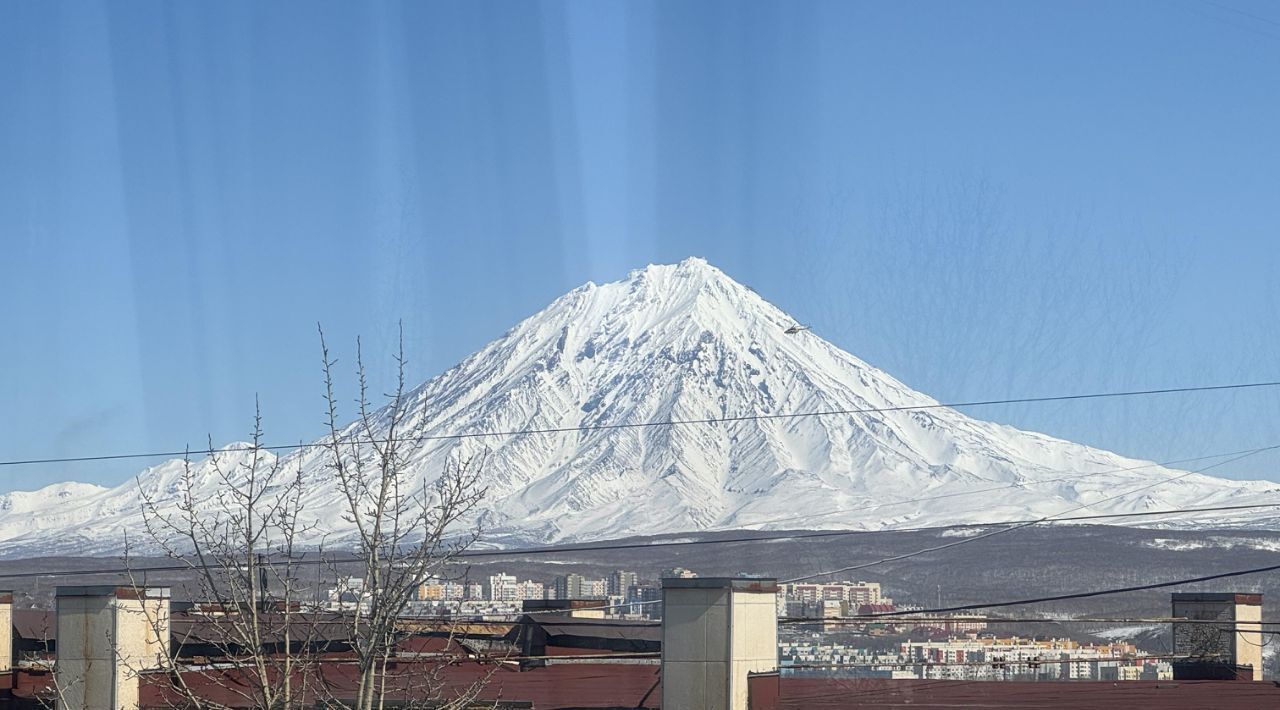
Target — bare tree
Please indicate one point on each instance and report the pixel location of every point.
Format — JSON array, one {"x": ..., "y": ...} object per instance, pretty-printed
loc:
[
  {"x": 237, "y": 524},
  {"x": 404, "y": 530}
]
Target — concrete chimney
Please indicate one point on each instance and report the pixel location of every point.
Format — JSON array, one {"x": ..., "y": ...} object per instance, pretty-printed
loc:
[
  {"x": 715, "y": 631},
  {"x": 6, "y": 631},
  {"x": 107, "y": 637},
  {"x": 1229, "y": 647}
]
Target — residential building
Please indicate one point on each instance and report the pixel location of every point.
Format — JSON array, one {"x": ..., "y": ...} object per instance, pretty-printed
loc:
[
  {"x": 575, "y": 586},
  {"x": 529, "y": 589},
  {"x": 645, "y": 601},
  {"x": 502, "y": 588},
  {"x": 594, "y": 589},
  {"x": 568, "y": 586},
  {"x": 620, "y": 581}
]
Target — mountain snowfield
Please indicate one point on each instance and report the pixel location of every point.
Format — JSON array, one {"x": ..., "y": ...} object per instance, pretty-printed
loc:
[{"x": 686, "y": 342}]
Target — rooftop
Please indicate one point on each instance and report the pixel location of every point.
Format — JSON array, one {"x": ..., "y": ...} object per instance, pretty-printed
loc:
[
  {"x": 738, "y": 584},
  {"x": 872, "y": 693},
  {"x": 1229, "y": 597}
]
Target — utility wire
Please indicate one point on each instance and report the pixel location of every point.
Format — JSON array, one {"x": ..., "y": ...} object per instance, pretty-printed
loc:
[
  {"x": 570, "y": 550},
  {"x": 863, "y": 619},
  {"x": 996, "y": 662},
  {"x": 566, "y": 551},
  {"x": 430, "y": 623},
  {"x": 1244, "y": 13},
  {"x": 1027, "y": 524},
  {"x": 671, "y": 422},
  {"x": 1021, "y": 484},
  {"x": 757, "y": 537},
  {"x": 455, "y": 659},
  {"x": 766, "y": 537},
  {"x": 1084, "y": 595}
]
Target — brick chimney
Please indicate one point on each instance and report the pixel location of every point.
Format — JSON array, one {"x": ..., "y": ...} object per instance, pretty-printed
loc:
[
  {"x": 715, "y": 631},
  {"x": 107, "y": 636},
  {"x": 1224, "y": 645}
]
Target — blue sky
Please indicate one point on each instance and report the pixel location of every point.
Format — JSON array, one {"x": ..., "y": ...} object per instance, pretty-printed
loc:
[{"x": 985, "y": 199}]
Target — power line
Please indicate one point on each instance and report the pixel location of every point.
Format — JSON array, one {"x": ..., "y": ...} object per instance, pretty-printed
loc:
[
  {"x": 671, "y": 422},
  {"x": 863, "y": 619},
  {"x": 412, "y": 623},
  {"x": 996, "y": 662},
  {"x": 1022, "y": 484},
  {"x": 420, "y": 624},
  {"x": 907, "y": 613},
  {"x": 755, "y": 537},
  {"x": 860, "y": 619},
  {"x": 764, "y": 537},
  {"x": 1084, "y": 595},
  {"x": 1019, "y": 526},
  {"x": 469, "y": 657},
  {"x": 1244, "y": 13},
  {"x": 1023, "y": 602},
  {"x": 1235, "y": 23},
  {"x": 423, "y": 624}
]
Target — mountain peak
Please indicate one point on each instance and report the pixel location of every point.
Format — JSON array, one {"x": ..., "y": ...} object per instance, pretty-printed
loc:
[
  {"x": 693, "y": 271},
  {"x": 693, "y": 265},
  {"x": 670, "y": 297},
  {"x": 572, "y": 411}
]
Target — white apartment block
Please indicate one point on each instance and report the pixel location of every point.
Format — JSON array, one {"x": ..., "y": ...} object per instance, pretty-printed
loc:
[
  {"x": 855, "y": 593},
  {"x": 502, "y": 588},
  {"x": 529, "y": 589}
]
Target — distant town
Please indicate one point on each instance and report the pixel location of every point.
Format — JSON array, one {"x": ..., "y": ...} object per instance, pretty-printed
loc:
[{"x": 959, "y": 647}]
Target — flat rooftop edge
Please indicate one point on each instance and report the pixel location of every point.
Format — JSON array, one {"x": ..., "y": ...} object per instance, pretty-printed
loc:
[
  {"x": 1233, "y": 597},
  {"x": 112, "y": 590},
  {"x": 737, "y": 584}
]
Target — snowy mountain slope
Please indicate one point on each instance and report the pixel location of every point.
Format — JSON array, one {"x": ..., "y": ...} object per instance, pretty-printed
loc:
[
  {"x": 686, "y": 342},
  {"x": 81, "y": 518}
]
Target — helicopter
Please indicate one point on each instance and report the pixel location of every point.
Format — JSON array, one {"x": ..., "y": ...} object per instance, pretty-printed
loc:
[{"x": 795, "y": 328}]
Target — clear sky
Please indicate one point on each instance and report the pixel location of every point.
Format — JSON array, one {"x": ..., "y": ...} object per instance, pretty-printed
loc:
[{"x": 985, "y": 199}]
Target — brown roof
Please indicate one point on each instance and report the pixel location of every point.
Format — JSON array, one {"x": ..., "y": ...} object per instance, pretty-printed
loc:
[
  {"x": 613, "y": 685},
  {"x": 455, "y": 628},
  {"x": 870, "y": 693},
  {"x": 35, "y": 624},
  {"x": 576, "y": 685},
  {"x": 212, "y": 629},
  {"x": 28, "y": 684},
  {"x": 617, "y": 629},
  {"x": 535, "y": 636},
  {"x": 190, "y": 627},
  {"x": 1219, "y": 597}
]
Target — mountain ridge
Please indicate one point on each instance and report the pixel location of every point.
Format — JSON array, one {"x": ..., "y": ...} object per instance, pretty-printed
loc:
[{"x": 686, "y": 342}]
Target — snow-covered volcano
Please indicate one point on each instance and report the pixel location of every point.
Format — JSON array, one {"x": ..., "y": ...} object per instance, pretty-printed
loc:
[{"x": 686, "y": 342}]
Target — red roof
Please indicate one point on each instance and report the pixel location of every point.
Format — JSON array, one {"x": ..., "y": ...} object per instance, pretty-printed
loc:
[
  {"x": 634, "y": 685},
  {"x": 27, "y": 684},
  {"x": 871, "y": 693},
  {"x": 568, "y": 685}
]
